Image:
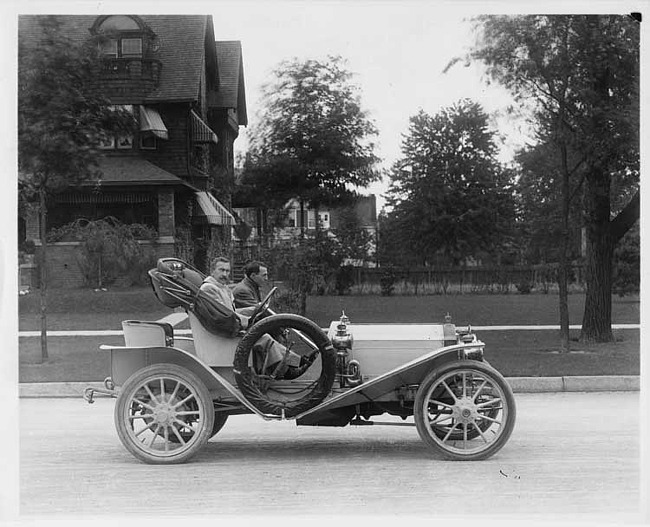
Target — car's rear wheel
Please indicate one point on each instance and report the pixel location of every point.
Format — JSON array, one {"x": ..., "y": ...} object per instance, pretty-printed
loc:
[
  {"x": 465, "y": 410},
  {"x": 164, "y": 414}
]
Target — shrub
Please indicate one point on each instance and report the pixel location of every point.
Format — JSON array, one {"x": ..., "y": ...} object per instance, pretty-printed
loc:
[
  {"x": 286, "y": 301},
  {"x": 110, "y": 249},
  {"x": 524, "y": 287},
  {"x": 387, "y": 282},
  {"x": 627, "y": 263},
  {"x": 344, "y": 279}
]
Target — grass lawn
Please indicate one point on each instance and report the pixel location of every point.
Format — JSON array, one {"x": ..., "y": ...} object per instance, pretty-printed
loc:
[
  {"x": 478, "y": 310},
  {"x": 514, "y": 353}
]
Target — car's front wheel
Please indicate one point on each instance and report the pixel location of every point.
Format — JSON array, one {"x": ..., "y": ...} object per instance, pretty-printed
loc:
[{"x": 465, "y": 410}]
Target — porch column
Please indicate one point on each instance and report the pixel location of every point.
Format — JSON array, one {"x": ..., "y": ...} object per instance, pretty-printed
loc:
[
  {"x": 32, "y": 230},
  {"x": 166, "y": 214}
]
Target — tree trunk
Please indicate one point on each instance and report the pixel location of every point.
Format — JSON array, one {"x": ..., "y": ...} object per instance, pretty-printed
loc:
[
  {"x": 303, "y": 302},
  {"x": 302, "y": 219},
  {"x": 42, "y": 266},
  {"x": 563, "y": 274},
  {"x": 563, "y": 271},
  {"x": 597, "y": 320}
]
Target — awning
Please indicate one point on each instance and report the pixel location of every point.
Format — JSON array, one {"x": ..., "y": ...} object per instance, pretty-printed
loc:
[
  {"x": 212, "y": 210},
  {"x": 150, "y": 121},
  {"x": 201, "y": 132}
]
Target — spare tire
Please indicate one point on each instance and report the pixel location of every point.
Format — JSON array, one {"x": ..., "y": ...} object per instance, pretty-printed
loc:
[{"x": 300, "y": 388}]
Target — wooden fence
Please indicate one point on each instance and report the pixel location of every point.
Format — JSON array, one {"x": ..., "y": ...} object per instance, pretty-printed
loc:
[{"x": 427, "y": 280}]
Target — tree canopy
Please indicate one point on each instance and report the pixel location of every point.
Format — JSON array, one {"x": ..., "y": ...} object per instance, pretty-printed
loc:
[
  {"x": 313, "y": 141},
  {"x": 448, "y": 192}
]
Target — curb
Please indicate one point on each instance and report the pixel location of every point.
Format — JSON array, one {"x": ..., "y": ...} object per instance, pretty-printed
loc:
[{"x": 599, "y": 383}]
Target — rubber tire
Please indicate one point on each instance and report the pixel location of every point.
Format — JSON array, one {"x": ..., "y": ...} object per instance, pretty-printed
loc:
[
  {"x": 220, "y": 419},
  {"x": 133, "y": 384},
  {"x": 421, "y": 417},
  {"x": 321, "y": 388}
]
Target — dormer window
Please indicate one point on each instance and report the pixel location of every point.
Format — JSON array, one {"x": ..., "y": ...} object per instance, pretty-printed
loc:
[{"x": 124, "y": 36}]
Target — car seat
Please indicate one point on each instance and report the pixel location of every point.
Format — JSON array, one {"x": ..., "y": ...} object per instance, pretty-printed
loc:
[{"x": 177, "y": 284}]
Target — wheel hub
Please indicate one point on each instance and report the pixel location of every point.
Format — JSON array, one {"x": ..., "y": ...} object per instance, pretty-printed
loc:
[
  {"x": 465, "y": 411},
  {"x": 163, "y": 414}
]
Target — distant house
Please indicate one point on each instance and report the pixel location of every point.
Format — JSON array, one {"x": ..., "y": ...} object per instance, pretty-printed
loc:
[
  {"x": 256, "y": 229},
  {"x": 187, "y": 92},
  {"x": 365, "y": 209}
]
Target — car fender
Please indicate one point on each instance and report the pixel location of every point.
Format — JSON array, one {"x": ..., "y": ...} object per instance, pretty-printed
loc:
[
  {"x": 127, "y": 360},
  {"x": 410, "y": 373}
]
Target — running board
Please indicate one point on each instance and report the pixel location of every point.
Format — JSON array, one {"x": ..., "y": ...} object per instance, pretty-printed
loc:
[{"x": 363, "y": 422}]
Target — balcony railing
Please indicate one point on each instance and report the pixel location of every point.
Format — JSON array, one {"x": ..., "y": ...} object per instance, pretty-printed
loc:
[{"x": 131, "y": 68}]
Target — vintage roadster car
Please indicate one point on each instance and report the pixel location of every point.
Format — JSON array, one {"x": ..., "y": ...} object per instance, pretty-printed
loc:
[{"x": 175, "y": 392}]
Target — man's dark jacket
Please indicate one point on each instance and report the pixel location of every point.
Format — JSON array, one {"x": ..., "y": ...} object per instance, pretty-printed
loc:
[{"x": 246, "y": 293}]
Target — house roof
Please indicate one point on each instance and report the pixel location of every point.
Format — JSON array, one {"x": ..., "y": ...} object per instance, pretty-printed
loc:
[
  {"x": 182, "y": 53},
  {"x": 231, "y": 92},
  {"x": 132, "y": 170},
  {"x": 182, "y": 50}
]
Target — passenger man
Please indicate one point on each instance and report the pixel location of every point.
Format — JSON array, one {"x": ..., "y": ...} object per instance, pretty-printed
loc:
[
  {"x": 217, "y": 286},
  {"x": 247, "y": 292}
]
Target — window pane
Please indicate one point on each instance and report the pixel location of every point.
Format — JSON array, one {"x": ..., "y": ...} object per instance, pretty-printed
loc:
[
  {"x": 325, "y": 219},
  {"x": 125, "y": 142},
  {"x": 131, "y": 47},
  {"x": 109, "y": 48},
  {"x": 107, "y": 144},
  {"x": 119, "y": 23},
  {"x": 148, "y": 141}
]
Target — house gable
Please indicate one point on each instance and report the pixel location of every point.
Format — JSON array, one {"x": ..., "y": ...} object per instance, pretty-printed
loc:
[{"x": 231, "y": 93}]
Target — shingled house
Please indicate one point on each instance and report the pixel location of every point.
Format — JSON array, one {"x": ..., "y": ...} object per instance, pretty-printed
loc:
[{"x": 187, "y": 91}]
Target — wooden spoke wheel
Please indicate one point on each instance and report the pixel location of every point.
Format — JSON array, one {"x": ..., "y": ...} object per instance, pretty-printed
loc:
[
  {"x": 164, "y": 414},
  {"x": 465, "y": 410}
]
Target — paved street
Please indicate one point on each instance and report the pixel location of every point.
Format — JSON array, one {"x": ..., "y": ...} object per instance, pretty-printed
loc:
[{"x": 570, "y": 453}]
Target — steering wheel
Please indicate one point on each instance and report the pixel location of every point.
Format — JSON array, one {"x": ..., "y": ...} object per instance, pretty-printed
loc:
[{"x": 261, "y": 307}]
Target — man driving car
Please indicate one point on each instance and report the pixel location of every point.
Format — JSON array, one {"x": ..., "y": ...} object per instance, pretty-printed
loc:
[{"x": 247, "y": 292}]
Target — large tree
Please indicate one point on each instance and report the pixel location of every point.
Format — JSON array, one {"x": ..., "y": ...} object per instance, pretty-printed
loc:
[
  {"x": 312, "y": 141},
  {"x": 448, "y": 193},
  {"x": 61, "y": 122},
  {"x": 581, "y": 74}
]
